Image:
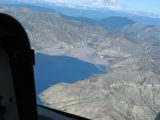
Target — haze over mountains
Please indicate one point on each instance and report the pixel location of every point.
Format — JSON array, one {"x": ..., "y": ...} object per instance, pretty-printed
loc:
[
  {"x": 129, "y": 91},
  {"x": 112, "y": 5}
]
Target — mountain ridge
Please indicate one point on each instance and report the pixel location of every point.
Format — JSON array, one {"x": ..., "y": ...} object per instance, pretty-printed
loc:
[{"x": 96, "y": 14}]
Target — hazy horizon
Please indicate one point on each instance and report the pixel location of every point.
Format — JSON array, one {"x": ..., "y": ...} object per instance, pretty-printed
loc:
[{"x": 147, "y": 6}]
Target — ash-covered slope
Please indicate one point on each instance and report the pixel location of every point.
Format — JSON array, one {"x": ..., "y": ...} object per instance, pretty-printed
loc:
[
  {"x": 98, "y": 100},
  {"x": 129, "y": 91},
  {"x": 53, "y": 30}
]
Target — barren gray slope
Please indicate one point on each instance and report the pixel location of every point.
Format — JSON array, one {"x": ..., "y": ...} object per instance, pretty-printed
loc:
[
  {"x": 52, "y": 30},
  {"x": 130, "y": 91}
]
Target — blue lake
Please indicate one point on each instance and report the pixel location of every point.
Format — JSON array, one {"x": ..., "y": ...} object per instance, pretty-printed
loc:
[{"x": 50, "y": 70}]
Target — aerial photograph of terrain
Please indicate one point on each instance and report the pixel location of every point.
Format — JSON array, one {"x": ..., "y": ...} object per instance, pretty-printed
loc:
[{"x": 99, "y": 59}]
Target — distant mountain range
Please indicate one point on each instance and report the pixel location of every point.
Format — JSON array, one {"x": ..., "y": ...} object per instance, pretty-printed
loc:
[
  {"x": 51, "y": 29},
  {"x": 112, "y": 5},
  {"x": 96, "y": 14},
  {"x": 109, "y": 4}
]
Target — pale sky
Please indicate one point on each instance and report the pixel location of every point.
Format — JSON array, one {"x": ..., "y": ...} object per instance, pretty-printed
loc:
[
  {"x": 143, "y": 5},
  {"x": 151, "y": 6}
]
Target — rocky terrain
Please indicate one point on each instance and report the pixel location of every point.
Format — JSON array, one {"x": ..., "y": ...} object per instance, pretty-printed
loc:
[{"x": 129, "y": 91}]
